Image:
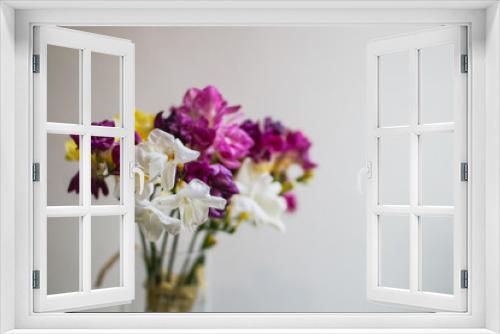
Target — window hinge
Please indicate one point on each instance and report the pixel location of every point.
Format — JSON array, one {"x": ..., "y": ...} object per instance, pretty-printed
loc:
[
  {"x": 36, "y": 172},
  {"x": 464, "y": 279},
  {"x": 464, "y": 171},
  {"x": 465, "y": 64},
  {"x": 36, "y": 279},
  {"x": 36, "y": 63}
]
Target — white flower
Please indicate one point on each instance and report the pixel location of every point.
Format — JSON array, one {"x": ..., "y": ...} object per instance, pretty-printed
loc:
[
  {"x": 152, "y": 217},
  {"x": 160, "y": 155},
  {"x": 193, "y": 201},
  {"x": 259, "y": 200}
]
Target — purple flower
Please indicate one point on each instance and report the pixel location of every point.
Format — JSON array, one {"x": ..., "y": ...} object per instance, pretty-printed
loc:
[
  {"x": 98, "y": 143},
  {"x": 115, "y": 157},
  {"x": 102, "y": 143},
  {"x": 232, "y": 144},
  {"x": 194, "y": 133},
  {"x": 74, "y": 184},
  {"x": 216, "y": 176},
  {"x": 256, "y": 152},
  {"x": 299, "y": 145},
  {"x": 267, "y": 141},
  {"x": 274, "y": 127},
  {"x": 97, "y": 185},
  {"x": 273, "y": 138}
]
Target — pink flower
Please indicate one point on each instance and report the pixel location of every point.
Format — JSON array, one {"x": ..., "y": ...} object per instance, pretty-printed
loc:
[
  {"x": 232, "y": 144},
  {"x": 206, "y": 103},
  {"x": 291, "y": 201}
]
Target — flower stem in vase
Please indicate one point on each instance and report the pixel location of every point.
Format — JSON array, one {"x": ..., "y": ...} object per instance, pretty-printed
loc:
[
  {"x": 183, "y": 272},
  {"x": 155, "y": 270},
  {"x": 190, "y": 278},
  {"x": 145, "y": 251},
  {"x": 171, "y": 259},
  {"x": 162, "y": 254}
]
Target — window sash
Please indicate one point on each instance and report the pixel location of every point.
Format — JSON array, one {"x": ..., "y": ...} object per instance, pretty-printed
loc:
[
  {"x": 411, "y": 44},
  {"x": 86, "y": 43}
]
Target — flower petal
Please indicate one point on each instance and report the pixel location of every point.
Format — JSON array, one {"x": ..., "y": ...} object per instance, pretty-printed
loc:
[
  {"x": 168, "y": 175},
  {"x": 153, "y": 221},
  {"x": 215, "y": 202},
  {"x": 161, "y": 138},
  {"x": 184, "y": 154},
  {"x": 156, "y": 166}
]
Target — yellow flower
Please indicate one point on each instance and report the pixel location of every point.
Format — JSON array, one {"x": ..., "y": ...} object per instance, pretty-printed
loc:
[
  {"x": 72, "y": 151},
  {"x": 144, "y": 123}
]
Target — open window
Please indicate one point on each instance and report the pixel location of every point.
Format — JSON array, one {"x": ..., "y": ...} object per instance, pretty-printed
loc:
[
  {"x": 417, "y": 189},
  {"x": 77, "y": 214}
]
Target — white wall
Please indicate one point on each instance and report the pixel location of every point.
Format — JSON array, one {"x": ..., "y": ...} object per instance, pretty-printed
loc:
[{"x": 312, "y": 79}]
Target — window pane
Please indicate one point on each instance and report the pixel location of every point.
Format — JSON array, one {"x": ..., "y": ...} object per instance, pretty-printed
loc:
[
  {"x": 437, "y": 254},
  {"x": 106, "y": 233},
  {"x": 105, "y": 181},
  {"x": 394, "y": 88},
  {"x": 436, "y": 84},
  {"x": 106, "y": 88},
  {"x": 394, "y": 251},
  {"x": 63, "y": 256},
  {"x": 63, "y": 84},
  {"x": 394, "y": 171},
  {"x": 437, "y": 168},
  {"x": 63, "y": 177}
]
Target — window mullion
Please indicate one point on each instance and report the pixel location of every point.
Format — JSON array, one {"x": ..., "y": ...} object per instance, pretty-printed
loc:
[
  {"x": 85, "y": 149},
  {"x": 414, "y": 179}
]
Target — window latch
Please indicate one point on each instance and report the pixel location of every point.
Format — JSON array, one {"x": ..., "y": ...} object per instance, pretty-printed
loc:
[
  {"x": 364, "y": 171},
  {"x": 134, "y": 169}
]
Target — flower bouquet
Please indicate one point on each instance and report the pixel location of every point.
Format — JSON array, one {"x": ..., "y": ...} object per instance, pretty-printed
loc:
[{"x": 207, "y": 170}]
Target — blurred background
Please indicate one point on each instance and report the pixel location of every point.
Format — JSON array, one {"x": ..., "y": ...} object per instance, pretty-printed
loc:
[{"x": 310, "y": 78}]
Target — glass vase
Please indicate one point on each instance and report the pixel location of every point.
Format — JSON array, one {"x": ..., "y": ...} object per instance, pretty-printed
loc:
[{"x": 180, "y": 288}]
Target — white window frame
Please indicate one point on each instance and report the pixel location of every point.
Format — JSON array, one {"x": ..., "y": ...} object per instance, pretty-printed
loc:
[
  {"x": 86, "y": 43},
  {"x": 16, "y": 20}
]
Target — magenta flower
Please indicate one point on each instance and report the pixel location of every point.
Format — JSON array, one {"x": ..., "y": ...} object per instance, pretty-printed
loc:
[
  {"x": 268, "y": 141},
  {"x": 299, "y": 145},
  {"x": 291, "y": 201},
  {"x": 206, "y": 103},
  {"x": 273, "y": 137},
  {"x": 232, "y": 144},
  {"x": 276, "y": 141}
]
